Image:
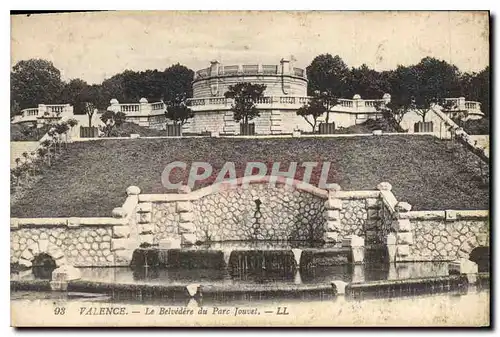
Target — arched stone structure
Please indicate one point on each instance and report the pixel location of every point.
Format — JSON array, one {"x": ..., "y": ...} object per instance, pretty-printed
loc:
[
  {"x": 42, "y": 247},
  {"x": 474, "y": 241}
]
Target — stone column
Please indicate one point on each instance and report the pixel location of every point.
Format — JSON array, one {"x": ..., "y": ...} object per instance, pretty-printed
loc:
[
  {"x": 357, "y": 245},
  {"x": 332, "y": 216},
  {"x": 145, "y": 227},
  {"x": 404, "y": 235},
  {"x": 390, "y": 242},
  {"x": 187, "y": 228}
]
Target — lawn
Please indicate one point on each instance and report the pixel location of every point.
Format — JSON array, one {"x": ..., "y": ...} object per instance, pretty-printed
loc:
[{"x": 90, "y": 179}]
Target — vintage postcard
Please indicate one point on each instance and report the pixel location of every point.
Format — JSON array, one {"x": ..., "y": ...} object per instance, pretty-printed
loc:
[{"x": 250, "y": 168}]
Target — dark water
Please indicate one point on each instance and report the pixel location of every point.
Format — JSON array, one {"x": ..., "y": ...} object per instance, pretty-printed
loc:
[{"x": 314, "y": 276}]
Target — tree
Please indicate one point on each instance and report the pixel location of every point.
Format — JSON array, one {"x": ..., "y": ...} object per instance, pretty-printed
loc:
[
  {"x": 178, "y": 84},
  {"x": 179, "y": 113},
  {"x": 366, "y": 82},
  {"x": 75, "y": 92},
  {"x": 91, "y": 110},
  {"x": 112, "y": 120},
  {"x": 328, "y": 73},
  {"x": 35, "y": 81},
  {"x": 314, "y": 109},
  {"x": 245, "y": 96}
]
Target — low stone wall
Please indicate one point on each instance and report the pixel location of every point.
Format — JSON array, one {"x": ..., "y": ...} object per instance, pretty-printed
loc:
[
  {"x": 234, "y": 211},
  {"x": 78, "y": 242},
  {"x": 440, "y": 236}
]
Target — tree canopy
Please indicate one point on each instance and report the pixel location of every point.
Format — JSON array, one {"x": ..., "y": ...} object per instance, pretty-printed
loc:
[{"x": 245, "y": 95}]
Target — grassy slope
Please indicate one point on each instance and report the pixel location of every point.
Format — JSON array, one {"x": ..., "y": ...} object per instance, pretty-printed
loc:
[{"x": 91, "y": 178}]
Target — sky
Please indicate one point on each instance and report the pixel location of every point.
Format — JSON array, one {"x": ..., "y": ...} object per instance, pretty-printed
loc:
[{"x": 95, "y": 46}]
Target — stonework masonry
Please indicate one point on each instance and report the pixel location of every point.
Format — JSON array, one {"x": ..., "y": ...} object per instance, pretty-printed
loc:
[{"x": 258, "y": 211}]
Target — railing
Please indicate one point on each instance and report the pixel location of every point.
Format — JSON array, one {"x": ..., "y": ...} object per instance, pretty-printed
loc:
[
  {"x": 471, "y": 105},
  {"x": 298, "y": 72},
  {"x": 269, "y": 69},
  {"x": 55, "y": 109},
  {"x": 248, "y": 69},
  {"x": 346, "y": 103},
  {"x": 30, "y": 112},
  {"x": 217, "y": 100},
  {"x": 158, "y": 106},
  {"x": 287, "y": 100},
  {"x": 130, "y": 107},
  {"x": 264, "y": 100}
]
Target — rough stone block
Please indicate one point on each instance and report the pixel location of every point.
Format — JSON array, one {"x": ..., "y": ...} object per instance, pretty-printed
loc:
[
  {"x": 332, "y": 214},
  {"x": 66, "y": 273},
  {"x": 73, "y": 222},
  {"x": 403, "y": 250},
  {"x": 464, "y": 266},
  {"x": 121, "y": 232},
  {"x": 56, "y": 253},
  {"x": 334, "y": 188},
  {"x": 187, "y": 227},
  {"x": 333, "y": 225},
  {"x": 184, "y": 206},
  {"x": 186, "y": 217},
  {"x": 483, "y": 239},
  {"x": 333, "y": 203},
  {"x": 145, "y": 207},
  {"x": 295, "y": 134},
  {"x": 331, "y": 237},
  {"x": 403, "y": 207},
  {"x": 144, "y": 218},
  {"x": 118, "y": 212},
  {"x": 402, "y": 225},
  {"x": 124, "y": 255},
  {"x": 135, "y": 135},
  {"x": 188, "y": 238},
  {"x": 214, "y": 134},
  {"x": 390, "y": 239},
  {"x": 358, "y": 254},
  {"x": 353, "y": 241},
  {"x": 133, "y": 190},
  {"x": 451, "y": 215},
  {"x": 384, "y": 186},
  {"x": 146, "y": 238},
  {"x": 372, "y": 203},
  {"x": 121, "y": 244},
  {"x": 33, "y": 248},
  {"x": 43, "y": 246},
  {"x": 147, "y": 228},
  {"x": 170, "y": 243},
  {"x": 377, "y": 132},
  {"x": 24, "y": 262},
  {"x": 373, "y": 214},
  {"x": 58, "y": 285},
  {"x": 27, "y": 255},
  {"x": 405, "y": 238}
]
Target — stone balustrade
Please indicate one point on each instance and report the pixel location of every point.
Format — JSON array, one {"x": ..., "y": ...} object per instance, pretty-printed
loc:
[
  {"x": 44, "y": 111},
  {"x": 143, "y": 108}
]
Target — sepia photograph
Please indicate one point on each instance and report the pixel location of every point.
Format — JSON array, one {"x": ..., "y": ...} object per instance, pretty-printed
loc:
[{"x": 250, "y": 168}]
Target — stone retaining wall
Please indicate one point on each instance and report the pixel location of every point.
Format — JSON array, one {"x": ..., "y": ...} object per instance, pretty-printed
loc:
[
  {"x": 258, "y": 211},
  {"x": 439, "y": 239}
]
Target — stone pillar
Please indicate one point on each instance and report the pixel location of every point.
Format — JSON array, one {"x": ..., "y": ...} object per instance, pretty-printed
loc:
[
  {"x": 390, "y": 242},
  {"x": 114, "y": 105},
  {"x": 464, "y": 266},
  {"x": 403, "y": 228},
  {"x": 461, "y": 104},
  {"x": 144, "y": 108},
  {"x": 357, "y": 245},
  {"x": 332, "y": 216},
  {"x": 285, "y": 66},
  {"x": 145, "y": 227},
  {"x": 214, "y": 68},
  {"x": 62, "y": 275},
  {"x": 187, "y": 227}
]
